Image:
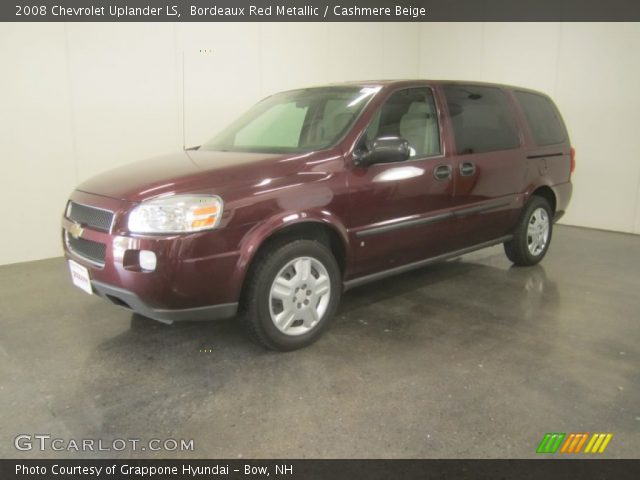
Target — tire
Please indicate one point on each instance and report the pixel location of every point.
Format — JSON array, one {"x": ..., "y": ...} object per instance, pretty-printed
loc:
[
  {"x": 283, "y": 315},
  {"x": 532, "y": 235}
]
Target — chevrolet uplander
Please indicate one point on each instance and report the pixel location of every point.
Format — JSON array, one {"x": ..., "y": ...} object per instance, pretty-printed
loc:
[{"x": 318, "y": 190}]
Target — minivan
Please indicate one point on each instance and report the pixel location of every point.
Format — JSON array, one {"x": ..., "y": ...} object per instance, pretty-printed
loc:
[{"x": 318, "y": 190}]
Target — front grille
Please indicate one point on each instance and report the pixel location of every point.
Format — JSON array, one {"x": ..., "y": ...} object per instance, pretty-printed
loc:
[
  {"x": 92, "y": 217},
  {"x": 92, "y": 251}
]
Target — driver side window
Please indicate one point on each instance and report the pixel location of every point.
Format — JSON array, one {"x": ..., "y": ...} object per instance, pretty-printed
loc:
[{"x": 410, "y": 114}]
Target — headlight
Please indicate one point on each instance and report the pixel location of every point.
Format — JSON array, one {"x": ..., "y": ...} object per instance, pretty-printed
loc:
[{"x": 176, "y": 214}]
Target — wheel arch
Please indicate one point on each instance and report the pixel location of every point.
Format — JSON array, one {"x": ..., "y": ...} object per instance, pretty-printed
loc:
[
  {"x": 323, "y": 227},
  {"x": 546, "y": 192}
]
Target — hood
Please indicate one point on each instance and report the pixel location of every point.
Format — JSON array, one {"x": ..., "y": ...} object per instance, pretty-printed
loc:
[{"x": 182, "y": 172}]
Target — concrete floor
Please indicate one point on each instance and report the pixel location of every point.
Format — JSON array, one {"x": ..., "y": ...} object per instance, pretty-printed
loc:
[{"x": 470, "y": 358}]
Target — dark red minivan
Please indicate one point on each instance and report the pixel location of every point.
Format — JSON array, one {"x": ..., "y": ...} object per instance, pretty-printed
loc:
[{"x": 318, "y": 190}]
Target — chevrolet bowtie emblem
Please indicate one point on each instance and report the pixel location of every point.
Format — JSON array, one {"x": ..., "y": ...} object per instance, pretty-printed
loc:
[{"x": 76, "y": 230}]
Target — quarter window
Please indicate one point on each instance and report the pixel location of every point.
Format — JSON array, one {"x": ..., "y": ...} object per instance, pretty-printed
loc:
[
  {"x": 482, "y": 119},
  {"x": 543, "y": 118}
]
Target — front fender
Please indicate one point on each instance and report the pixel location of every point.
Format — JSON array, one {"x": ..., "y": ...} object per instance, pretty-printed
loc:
[{"x": 263, "y": 231}]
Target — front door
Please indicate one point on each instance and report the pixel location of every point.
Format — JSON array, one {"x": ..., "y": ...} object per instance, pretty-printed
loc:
[{"x": 400, "y": 211}]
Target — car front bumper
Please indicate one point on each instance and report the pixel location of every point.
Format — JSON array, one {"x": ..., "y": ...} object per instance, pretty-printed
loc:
[
  {"x": 131, "y": 301},
  {"x": 195, "y": 274}
]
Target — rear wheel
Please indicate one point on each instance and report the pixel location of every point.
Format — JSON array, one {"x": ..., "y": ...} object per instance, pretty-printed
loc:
[
  {"x": 532, "y": 235},
  {"x": 292, "y": 294}
]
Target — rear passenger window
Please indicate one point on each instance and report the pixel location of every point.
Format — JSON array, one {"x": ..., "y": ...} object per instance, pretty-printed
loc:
[
  {"x": 543, "y": 118},
  {"x": 482, "y": 119}
]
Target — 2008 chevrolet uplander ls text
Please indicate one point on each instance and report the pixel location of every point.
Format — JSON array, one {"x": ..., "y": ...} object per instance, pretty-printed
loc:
[{"x": 318, "y": 190}]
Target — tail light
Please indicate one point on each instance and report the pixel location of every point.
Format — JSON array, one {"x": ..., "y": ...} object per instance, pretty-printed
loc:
[{"x": 573, "y": 160}]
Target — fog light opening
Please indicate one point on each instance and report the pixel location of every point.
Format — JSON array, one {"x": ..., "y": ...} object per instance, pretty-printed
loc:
[{"x": 147, "y": 260}]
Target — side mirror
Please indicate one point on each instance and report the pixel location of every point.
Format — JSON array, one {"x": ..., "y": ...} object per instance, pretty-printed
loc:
[{"x": 383, "y": 150}]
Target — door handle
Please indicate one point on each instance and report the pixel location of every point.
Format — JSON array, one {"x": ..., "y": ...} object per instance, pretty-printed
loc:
[
  {"x": 467, "y": 169},
  {"x": 442, "y": 172}
]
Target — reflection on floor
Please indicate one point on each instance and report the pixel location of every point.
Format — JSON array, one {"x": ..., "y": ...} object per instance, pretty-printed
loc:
[{"x": 469, "y": 358}]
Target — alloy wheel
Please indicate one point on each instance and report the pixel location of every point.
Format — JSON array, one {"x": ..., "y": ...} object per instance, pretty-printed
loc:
[
  {"x": 299, "y": 295},
  {"x": 538, "y": 231}
]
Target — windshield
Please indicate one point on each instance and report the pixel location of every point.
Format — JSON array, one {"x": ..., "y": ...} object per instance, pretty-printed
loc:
[{"x": 295, "y": 121}]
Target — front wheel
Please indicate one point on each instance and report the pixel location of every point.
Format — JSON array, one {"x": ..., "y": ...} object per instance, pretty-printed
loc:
[
  {"x": 292, "y": 294},
  {"x": 532, "y": 235}
]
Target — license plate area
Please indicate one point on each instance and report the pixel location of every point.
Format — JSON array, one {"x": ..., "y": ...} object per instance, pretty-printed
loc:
[{"x": 80, "y": 277}]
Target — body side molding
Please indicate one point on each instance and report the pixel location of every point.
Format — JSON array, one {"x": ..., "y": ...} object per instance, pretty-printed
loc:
[
  {"x": 356, "y": 282},
  {"x": 369, "y": 232}
]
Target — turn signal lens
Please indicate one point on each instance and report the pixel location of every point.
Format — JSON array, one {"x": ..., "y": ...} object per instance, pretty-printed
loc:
[
  {"x": 204, "y": 217},
  {"x": 205, "y": 222},
  {"x": 206, "y": 211}
]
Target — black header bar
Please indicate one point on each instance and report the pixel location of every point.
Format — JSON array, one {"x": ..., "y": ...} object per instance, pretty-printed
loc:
[
  {"x": 547, "y": 469},
  {"x": 318, "y": 10}
]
